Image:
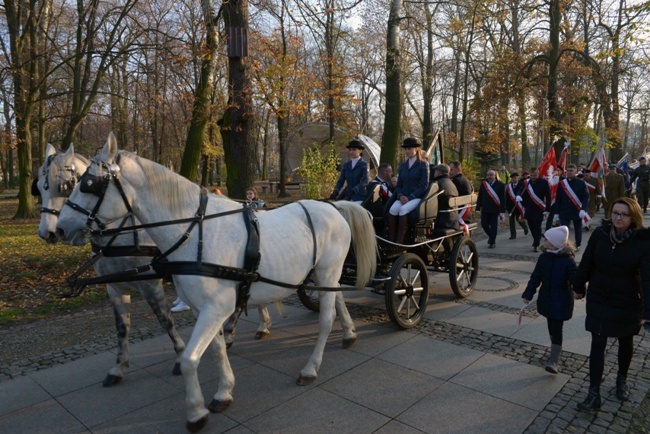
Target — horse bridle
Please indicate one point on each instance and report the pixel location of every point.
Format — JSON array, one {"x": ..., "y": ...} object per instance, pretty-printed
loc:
[
  {"x": 64, "y": 187},
  {"x": 97, "y": 185}
]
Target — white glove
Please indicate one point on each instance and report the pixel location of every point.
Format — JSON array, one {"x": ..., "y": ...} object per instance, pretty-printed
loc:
[
  {"x": 556, "y": 218},
  {"x": 582, "y": 213},
  {"x": 545, "y": 214},
  {"x": 518, "y": 199}
]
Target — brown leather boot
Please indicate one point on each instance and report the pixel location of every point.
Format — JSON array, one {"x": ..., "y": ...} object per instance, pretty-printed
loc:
[
  {"x": 392, "y": 227},
  {"x": 402, "y": 226}
]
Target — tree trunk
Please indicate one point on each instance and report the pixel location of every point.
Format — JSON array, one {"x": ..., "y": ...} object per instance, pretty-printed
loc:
[
  {"x": 202, "y": 97},
  {"x": 238, "y": 148},
  {"x": 393, "y": 114}
]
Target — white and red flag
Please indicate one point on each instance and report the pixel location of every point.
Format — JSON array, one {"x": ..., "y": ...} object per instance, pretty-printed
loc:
[
  {"x": 599, "y": 162},
  {"x": 547, "y": 171},
  {"x": 562, "y": 161}
]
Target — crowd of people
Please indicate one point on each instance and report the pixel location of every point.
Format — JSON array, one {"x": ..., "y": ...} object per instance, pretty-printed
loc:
[{"x": 613, "y": 274}]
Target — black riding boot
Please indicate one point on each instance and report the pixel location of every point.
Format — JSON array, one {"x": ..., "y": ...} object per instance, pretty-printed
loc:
[
  {"x": 402, "y": 226},
  {"x": 592, "y": 402},
  {"x": 392, "y": 227},
  {"x": 622, "y": 391}
]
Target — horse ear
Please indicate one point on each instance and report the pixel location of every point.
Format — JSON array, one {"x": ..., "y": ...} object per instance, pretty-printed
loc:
[
  {"x": 49, "y": 150},
  {"x": 70, "y": 152},
  {"x": 110, "y": 148}
]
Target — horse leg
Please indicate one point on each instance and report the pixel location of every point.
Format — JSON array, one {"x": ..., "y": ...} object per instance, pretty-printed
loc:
[
  {"x": 154, "y": 294},
  {"x": 120, "y": 300},
  {"x": 230, "y": 327},
  {"x": 349, "y": 336},
  {"x": 263, "y": 331},
  {"x": 207, "y": 331},
  {"x": 326, "y": 319}
]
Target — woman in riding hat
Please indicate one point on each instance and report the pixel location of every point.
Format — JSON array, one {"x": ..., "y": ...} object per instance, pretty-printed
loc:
[
  {"x": 354, "y": 174},
  {"x": 412, "y": 182}
]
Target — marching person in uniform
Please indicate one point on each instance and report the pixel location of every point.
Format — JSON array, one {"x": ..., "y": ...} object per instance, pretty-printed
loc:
[
  {"x": 354, "y": 174},
  {"x": 412, "y": 182},
  {"x": 515, "y": 209},
  {"x": 614, "y": 188},
  {"x": 643, "y": 184},
  {"x": 572, "y": 200},
  {"x": 491, "y": 205},
  {"x": 535, "y": 195}
]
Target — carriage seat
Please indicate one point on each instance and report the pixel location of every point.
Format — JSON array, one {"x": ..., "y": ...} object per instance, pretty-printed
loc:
[
  {"x": 427, "y": 210},
  {"x": 373, "y": 203}
]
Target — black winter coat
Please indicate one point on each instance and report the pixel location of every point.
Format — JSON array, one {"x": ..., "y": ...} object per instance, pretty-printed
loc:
[
  {"x": 619, "y": 282},
  {"x": 554, "y": 271}
]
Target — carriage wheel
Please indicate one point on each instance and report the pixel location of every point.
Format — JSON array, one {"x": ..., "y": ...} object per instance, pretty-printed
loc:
[
  {"x": 463, "y": 267},
  {"x": 309, "y": 297},
  {"x": 407, "y": 292}
]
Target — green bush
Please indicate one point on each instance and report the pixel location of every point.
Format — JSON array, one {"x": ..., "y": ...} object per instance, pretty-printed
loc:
[{"x": 319, "y": 172}]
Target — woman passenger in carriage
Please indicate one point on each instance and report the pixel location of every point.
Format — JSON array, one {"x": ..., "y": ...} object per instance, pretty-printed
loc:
[{"x": 412, "y": 182}]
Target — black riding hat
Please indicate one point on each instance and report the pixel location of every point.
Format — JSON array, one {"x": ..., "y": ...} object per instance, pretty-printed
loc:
[
  {"x": 355, "y": 144},
  {"x": 410, "y": 142}
]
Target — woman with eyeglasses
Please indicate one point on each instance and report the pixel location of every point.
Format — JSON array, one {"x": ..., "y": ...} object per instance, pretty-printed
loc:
[{"x": 616, "y": 264}]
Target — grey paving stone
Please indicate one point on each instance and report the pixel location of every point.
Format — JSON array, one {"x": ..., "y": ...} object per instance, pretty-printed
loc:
[
  {"x": 46, "y": 417},
  {"x": 20, "y": 393}
]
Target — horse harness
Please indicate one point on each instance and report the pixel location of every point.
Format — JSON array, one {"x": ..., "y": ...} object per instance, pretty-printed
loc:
[
  {"x": 64, "y": 186},
  {"x": 160, "y": 265}
]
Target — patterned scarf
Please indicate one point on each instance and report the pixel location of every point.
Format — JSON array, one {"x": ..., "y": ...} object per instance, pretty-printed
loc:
[{"x": 618, "y": 239}]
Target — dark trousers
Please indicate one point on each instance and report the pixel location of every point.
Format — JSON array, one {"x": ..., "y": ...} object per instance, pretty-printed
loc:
[
  {"x": 536, "y": 231},
  {"x": 577, "y": 228},
  {"x": 597, "y": 357},
  {"x": 555, "y": 330},
  {"x": 490, "y": 224},
  {"x": 513, "y": 229},
  {"x": 642, "y": 192}
]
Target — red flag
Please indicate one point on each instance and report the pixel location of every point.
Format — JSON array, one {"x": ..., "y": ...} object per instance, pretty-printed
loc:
[
  {"x": 547, "y": 170},
  {"x": 599, "y": 162}
]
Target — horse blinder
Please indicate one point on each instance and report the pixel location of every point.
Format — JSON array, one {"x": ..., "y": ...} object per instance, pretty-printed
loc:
[{"x": 91, "y": 184}]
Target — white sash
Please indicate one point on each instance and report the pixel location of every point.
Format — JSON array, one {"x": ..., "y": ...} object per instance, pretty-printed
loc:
[
  {"x": 590, "y": 186},
  {"x": 572, "y": 195},
  {"x": 490, "y": 191},
  {"x": 513, "y": 198},
  {"x": 536, "y": 200}
]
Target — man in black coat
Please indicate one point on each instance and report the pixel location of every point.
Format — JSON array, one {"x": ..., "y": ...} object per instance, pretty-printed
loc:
[
  {"x": 535, "y": 196},
  {"x": 461, "y": 182},
  {"x": 491, "y": 204},
  {"x": 445, "y": 219},
  {"x": 572, "y": 201},
  {"x": 514, "y": 209}
]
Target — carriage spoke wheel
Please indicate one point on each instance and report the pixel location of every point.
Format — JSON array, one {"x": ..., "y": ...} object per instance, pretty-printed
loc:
[
  {"x": 309, "y": 297},
  {"x": 407, "y": 292},
  {"x": 463, "y": 267}
]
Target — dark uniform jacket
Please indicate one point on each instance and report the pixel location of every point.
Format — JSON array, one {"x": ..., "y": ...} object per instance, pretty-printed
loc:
[
  {"x": 542, "y": 190},
  {"x": 462, "y": 184},
  {"x": 355, "y": 179},
  {"x": 484, "y": 202},
  {"x": 412, "y": 182},
  {"x": 619, "y": 282},
  {"x": 385, "y": 192},
  {"x": 446, "y": 219},
  {"x": 641, "y": 172},
  {"x": 565, "y": 207},
  {"x": 554, "y": 271},
  {"x": 510, "y": 202}
]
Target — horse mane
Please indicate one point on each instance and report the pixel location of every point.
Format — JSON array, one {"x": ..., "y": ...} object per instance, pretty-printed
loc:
[{"x": 166, "y": 186}]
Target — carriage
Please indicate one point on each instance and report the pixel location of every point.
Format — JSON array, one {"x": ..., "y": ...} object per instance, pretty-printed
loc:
[{"x": 402, "y": 272}]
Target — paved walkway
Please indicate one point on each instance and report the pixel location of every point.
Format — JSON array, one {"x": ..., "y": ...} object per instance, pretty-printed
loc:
[{"x": 466, "y": 369}]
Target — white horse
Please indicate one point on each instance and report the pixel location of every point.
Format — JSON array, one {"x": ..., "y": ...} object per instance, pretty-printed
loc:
[
  {"x": 294, "y": 240},
  {"x": 56, "y": 180}
]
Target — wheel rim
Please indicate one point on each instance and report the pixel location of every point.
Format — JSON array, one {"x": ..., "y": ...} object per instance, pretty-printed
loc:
[
  {"x": 465, "y": 269},
  {"x": 408, "y": 291}
]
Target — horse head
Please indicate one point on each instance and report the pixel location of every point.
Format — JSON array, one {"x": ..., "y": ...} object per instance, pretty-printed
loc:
[
  {"x": 96, "y": 200},
  {"x": 55, "y": 180}
]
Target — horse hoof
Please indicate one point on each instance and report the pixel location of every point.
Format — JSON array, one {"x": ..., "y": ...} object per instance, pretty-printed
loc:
[
  {"x": 348, "y": 343},
  {"x": 261, "y": 335},
  {"x": 177, "y": 369},
  {"x": 305, "y": 381},
  {"x": 111, "y": 380},
  {"x": 198, "y": 425},
  {"x": 219, "y": 406}
]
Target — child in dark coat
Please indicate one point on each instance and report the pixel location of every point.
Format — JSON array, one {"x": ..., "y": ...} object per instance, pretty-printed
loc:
[{"x": 554, "y": 270}]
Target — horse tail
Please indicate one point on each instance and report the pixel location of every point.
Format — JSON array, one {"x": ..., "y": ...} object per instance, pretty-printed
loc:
[{"x": 364, "y": 242}]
